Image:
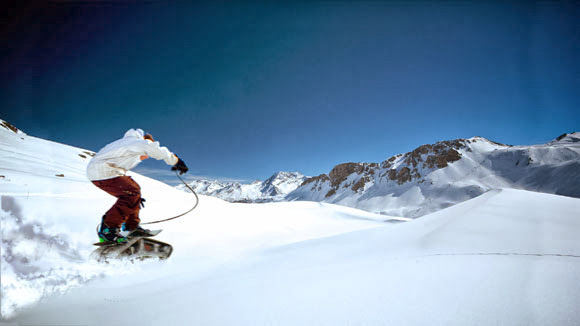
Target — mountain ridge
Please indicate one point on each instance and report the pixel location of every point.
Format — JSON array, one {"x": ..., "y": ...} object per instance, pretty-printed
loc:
[
  {"x": 435, "y": 176},
  {"x": 275, "y": 188}
]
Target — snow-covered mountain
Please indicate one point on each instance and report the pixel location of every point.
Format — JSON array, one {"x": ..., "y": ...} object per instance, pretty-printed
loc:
[
  {"x": 507, "y": 257},
  {"x": 436, "y": 176},
  {"x": 274, "y": 188}
]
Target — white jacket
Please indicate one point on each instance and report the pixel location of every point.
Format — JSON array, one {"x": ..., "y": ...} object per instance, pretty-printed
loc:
[{"x": 122, "y": 155}]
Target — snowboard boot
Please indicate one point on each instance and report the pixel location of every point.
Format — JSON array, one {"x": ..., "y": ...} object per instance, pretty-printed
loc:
[
  {"x": 140, "y": 232},
  {"x": 109, "y": 234}
]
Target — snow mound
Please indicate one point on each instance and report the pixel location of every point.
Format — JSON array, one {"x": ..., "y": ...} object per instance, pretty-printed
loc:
[{"x": 508, "y": 257}]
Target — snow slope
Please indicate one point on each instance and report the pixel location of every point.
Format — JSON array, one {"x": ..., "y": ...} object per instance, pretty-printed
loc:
[
  {"x": 508, "y": 257},
  {"x": 49, "y": 213}
]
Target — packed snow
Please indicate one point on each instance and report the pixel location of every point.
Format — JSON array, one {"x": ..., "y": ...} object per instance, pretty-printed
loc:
[{"x": 508, "y": 257}]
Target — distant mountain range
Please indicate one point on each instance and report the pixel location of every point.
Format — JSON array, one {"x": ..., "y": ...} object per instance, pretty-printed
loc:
[
  {"x": 427, "y": 179},
  {"x": 436, "y": 176},
  {"x": 274, "y": 188}
]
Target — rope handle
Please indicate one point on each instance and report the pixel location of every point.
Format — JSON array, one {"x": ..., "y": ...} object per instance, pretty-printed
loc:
[{"x": 180, "y": 215}]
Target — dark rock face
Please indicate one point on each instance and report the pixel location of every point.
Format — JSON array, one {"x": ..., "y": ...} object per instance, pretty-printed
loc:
[{"x": 434, "y": 156}]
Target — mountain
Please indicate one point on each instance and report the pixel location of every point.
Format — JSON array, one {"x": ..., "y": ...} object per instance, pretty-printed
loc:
[
  {"x": 439, "y": 175},
  {"x": 274, "y": 188}
]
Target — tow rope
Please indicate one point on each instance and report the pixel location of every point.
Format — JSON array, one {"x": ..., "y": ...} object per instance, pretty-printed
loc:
[{"x": 180, "y": 215}]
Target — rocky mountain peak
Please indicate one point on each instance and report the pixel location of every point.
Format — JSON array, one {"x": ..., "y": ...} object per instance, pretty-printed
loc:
[
  {"x": 9, "y": 127},
  {"x": 399, "y": 168},
  {"x": 272, "y": 189},
  {"x": 434, "y": 176},
  {"x": 437, "y": 155},
  {"x": 573, "y": 137}
]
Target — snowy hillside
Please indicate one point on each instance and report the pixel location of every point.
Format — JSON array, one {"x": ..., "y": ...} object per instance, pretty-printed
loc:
[
  {"x": 505, "y": 258},
  {"x": 274, "y": 188},
  {"x": 433, "y": 177},
  {"x": 49, "y": 213}
]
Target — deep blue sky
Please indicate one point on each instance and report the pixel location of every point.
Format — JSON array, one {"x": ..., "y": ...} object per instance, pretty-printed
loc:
[{"x": 242, "y": 90}]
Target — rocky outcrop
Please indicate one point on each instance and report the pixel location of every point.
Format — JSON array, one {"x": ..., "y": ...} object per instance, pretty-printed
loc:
[
  {"x": 338, "y": 177},
  {"x": 9, "y": 126},
  {"x": 435, "y": 156},
  {"x": 401, "y": 168}
]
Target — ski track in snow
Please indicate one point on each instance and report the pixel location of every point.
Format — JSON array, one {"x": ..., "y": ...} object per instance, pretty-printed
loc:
[{"x": 497, "y": 254}]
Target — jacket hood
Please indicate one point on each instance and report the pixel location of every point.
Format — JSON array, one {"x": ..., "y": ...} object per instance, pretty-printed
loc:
[{"x": 134, "y": 133}]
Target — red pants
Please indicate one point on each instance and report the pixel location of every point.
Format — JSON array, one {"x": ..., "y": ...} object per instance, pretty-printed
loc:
[{"x": 126, "y": 209}]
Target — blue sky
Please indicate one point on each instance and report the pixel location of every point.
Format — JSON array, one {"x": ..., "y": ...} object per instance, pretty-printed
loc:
[{"x": 243, "y": 90}]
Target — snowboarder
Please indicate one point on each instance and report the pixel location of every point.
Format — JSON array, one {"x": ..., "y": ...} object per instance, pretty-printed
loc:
[{"x": 107, "y": 170}]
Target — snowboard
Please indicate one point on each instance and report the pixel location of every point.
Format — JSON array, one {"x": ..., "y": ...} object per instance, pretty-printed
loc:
[
  {"x": 135, "y": 234},
  {"x": 139, "y": 246}
]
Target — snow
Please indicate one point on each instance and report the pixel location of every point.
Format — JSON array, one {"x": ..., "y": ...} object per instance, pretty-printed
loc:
[{"x": 508, "y": 257}]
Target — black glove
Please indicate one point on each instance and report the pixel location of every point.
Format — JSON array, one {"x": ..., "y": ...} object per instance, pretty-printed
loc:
[{"x": 180, "y": 166}]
